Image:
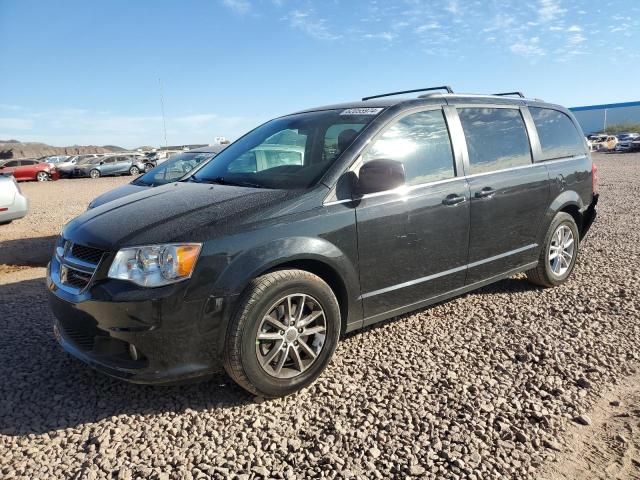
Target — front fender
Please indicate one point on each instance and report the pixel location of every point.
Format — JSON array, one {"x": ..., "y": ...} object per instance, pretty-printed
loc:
[{"x": 267, "y": 256}]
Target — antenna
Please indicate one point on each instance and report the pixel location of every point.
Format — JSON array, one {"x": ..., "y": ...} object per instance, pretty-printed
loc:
[{"x": 164, "y": 122}]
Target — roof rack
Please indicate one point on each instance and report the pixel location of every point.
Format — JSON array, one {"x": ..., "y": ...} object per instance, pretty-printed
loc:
[
  {"x": 509, "y": 94},
  {"x": 444, "y": 87}
]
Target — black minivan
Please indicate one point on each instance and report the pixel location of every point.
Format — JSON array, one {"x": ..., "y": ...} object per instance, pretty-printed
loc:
[{"x": 319, "y": 223}]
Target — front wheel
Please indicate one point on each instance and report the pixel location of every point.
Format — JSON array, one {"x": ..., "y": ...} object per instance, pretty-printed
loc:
[
  {"x": 94, "y": 173},
  {"x": 147, "y": 167},
  {"x": 283, "y": 334},
  {"x": 558, "y": 254},
  {"x": 42, "y": 177},
  {"x": 134, "y": 170}
]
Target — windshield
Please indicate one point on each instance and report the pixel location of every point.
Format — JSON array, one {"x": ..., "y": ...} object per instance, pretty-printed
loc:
[
  {"x": 173, "y": 169},
  {"x": 289, "y": 153}
]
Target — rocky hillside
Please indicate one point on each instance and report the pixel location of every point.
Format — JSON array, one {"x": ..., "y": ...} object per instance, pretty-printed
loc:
[{"x": 15, "y": 149}]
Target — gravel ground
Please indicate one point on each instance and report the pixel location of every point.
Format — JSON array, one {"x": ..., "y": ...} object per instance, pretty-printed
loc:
[{"x": 493, "y": 384}]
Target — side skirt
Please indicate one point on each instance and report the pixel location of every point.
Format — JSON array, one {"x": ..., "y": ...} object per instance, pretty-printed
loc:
[{"x": 446, "y": 296}]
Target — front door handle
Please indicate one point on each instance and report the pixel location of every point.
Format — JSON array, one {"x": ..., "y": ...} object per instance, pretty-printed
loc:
[
  {"x": 486, "y": 192},
  {"x": 453, "y": 199}
]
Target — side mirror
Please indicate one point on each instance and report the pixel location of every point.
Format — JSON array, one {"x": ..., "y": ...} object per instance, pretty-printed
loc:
[
  {"x": 380, "y": 175},
  {"x": 101, "y": 163}
]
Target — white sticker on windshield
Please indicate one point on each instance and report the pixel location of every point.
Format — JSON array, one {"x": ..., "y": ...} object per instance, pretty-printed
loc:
[{"x": 361, "y": 111}]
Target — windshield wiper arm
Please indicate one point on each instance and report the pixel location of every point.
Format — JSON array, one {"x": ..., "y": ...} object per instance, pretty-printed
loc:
[{"x": 223, "y": 181}]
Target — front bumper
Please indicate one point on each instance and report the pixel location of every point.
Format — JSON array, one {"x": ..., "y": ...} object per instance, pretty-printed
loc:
[{"x": 151, "y": 336}]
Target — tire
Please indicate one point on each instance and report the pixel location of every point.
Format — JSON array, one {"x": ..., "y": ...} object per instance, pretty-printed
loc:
[
  {"x": 134, "y": 170},
  {"x": 243, "y": 347},
  {"x": 42, "y": 177},
  {"x": 147, "y": 167},
  {"x": 94, "y": 173},
  {"x": 551, "y": 271}
]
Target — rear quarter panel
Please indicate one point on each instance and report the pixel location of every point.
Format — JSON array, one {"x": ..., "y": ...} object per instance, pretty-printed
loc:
[{"x": 570, "y": 185}]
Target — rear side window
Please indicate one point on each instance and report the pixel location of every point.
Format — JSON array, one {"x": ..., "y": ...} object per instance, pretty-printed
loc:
[
  {"x": 559, "y": 137},
  {"x": 496, "y": 138},
  {"x": 421, "y": 142}
]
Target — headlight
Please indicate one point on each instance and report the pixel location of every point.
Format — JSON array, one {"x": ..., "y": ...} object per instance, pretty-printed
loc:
[{"x": 155, "y": 265}]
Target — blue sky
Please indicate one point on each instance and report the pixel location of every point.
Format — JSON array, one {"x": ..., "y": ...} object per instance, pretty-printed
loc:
[{"x": 85, "y": 72}]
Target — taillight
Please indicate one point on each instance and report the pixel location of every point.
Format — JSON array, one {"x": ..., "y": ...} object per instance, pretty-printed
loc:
[{"x": 594, "y": 178}]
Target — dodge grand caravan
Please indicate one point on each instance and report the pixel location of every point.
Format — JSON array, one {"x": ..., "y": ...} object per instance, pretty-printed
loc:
[{"x": 259, "y": 267}]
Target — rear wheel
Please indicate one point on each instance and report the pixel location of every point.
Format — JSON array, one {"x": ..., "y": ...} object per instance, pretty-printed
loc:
[
  {"x": 42, "y": 176},
  {"x": 147, "y": 167},
  {"x": 134, "y": 170},
  {"x": 94, "y": 173},
  {"x": 283, "y": 334},
  {"x": 558, "y": 254}
]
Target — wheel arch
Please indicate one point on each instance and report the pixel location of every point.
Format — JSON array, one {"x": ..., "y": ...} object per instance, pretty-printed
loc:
[
  {"x": 314, "y": 255},
  {"x": 569, "y": 202}
]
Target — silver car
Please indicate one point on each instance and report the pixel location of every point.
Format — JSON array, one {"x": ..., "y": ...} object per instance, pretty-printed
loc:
[{"x": 13, "y": 204}]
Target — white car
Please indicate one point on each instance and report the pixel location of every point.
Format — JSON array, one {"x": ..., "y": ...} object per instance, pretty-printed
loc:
[{"x": 13, "y": 204}]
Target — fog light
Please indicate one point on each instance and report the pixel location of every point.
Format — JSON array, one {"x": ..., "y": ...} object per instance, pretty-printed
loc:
[{"x": 133, "y": 352}]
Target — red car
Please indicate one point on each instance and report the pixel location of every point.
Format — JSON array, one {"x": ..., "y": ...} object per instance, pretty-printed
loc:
[{"x": 24, "y": 170}]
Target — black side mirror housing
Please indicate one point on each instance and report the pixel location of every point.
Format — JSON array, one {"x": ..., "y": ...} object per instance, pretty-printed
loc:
[{"x": 380, "y": 175}]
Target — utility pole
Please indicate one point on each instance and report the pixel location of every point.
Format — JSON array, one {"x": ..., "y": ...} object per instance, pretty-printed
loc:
[
  {"x": 164, "y": 122},
  {"x": 605, "y": 121}
]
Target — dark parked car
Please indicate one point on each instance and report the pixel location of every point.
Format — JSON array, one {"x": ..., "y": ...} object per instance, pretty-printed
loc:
[
  {"x": 396, "y": 204},
  {"x": 169, "y": 171},
  {"x": 29, "y": 169},
  {"x": 113, "y": 165}
]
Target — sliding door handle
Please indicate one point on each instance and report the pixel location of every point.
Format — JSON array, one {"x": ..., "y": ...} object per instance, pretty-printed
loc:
[{"x": 486, "y": 192}]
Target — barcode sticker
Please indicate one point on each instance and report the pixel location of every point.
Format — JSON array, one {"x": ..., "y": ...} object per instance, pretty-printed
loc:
[{"x": 361, "y": 111}]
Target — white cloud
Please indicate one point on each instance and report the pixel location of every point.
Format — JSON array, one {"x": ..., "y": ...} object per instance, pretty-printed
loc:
[
  {"x": 309, "y": 23},
  {"x": 550, "y": 10},
  {"x": 382, "y": 36},
  {"x": 16, "y": 123},
  {"x": 77, "y": 126},
  {"x": 574, "y": 28},
  {"x": 238, "y": 6},
  {"x": 577, "y": 39},
  {"x": 453, "y": 7},
  {"x": 528, "y": 48}
]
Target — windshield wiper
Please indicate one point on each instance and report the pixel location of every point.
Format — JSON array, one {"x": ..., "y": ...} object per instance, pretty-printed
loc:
[{"x": 223, "y": 181}]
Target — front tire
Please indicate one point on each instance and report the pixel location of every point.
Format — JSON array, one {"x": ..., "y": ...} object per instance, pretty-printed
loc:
[
  {"x": 283, "y": 333},
  {"x": 94, "y": 173},
  {"x": 558, "y": 253},
  {"x": 134, "y": 170},
  {"x": 42, "y": 177}
]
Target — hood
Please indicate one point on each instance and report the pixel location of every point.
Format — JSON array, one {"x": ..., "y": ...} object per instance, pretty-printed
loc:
[
  {"x": 176, "y": 212},
  {"x": 116, "y": 193}
]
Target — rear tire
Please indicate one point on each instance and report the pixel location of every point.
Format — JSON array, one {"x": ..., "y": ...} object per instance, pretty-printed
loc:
[
  {"x": 94, "y": 173},
  {"x": 558, "y": 254},
  {"x": 269, "y": 348}
]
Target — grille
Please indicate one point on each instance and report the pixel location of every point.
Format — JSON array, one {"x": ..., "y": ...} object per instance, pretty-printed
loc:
[
  {"x": 86, "y": 254},
  {"x": 78, "y": 263},
  {"x": 77, "y": 278}
]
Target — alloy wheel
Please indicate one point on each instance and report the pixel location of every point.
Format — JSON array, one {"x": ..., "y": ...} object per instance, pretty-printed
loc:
[
  {"x": 291, "y": 336},
  {"x": 134, "y": 171},
  {"x": 94, "y": 173},
  {"x": 42, "y": 176},
  {"x": 561, "y": 250}
]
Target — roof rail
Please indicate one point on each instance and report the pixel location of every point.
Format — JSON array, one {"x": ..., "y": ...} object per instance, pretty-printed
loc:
[
  {"x": 509, "y": 94},
  {"x": 444, "y": 87}
]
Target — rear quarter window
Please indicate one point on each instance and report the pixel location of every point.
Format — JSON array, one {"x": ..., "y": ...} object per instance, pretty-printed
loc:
[{"x": 558, "y": 135}]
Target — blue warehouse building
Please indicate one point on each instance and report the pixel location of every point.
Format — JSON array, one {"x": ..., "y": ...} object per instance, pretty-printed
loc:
[{"x": 595, "y": 118}]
